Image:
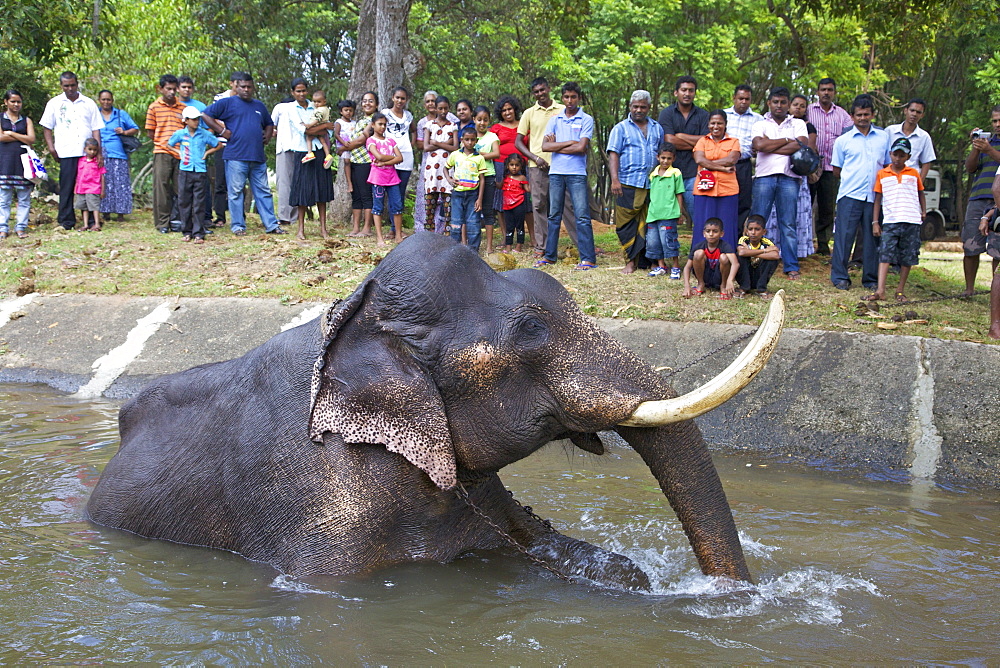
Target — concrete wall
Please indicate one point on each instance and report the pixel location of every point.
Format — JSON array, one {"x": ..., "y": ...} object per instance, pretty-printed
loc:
[{"x": 898, "y": 406}]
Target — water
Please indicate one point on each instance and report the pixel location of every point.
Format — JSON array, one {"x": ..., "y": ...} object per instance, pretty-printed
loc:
[{"x": 849, "y": 571}]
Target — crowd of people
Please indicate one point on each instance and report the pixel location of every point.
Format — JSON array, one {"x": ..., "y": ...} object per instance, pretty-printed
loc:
[{"x": 524, "y": 171}]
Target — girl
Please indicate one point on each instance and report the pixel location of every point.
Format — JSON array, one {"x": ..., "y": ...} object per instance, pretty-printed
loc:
[
  {"x": 90, "y": 185},
  {"x": 515, "y": 203},
  {"x": 401, "y": 128},
  {"x": 384, "y": 154},
  {"x": 488, "y": 146},
  {"x": 16, "y": 133},
  {"x": 463, "y": 109},
  {"x": 440, "y": 140},
  {"x": 361, "y": 190}
]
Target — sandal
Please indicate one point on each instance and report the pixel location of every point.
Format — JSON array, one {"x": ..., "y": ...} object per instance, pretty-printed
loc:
[
  {"x": 3, "y": 235},
  {"x": 792, "y": 275},
  {"x": 21, "y": 234},
  {"x": 723, "y": 296},
  {"x": 766, "y": 296},
  {"x": 585, "y": 266},
  {"x": 697, "y": 292},
  {"x": 542, "y": 262},
  {"x": 901, "y": 298},
  {"x": 872, "y": 298}
]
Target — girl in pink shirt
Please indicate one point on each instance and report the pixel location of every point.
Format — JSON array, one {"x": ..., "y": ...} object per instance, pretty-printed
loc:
[
  {"x": 385, "y": 181},
  {"x": 90, "y": 184}
]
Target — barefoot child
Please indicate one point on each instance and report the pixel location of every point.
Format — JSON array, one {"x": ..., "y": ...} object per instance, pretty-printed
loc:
[
  {"x": 196, "y": 143},
  {"x": 321, "y": 114},
  {"x": 899, "y": 196},
  {"x": 666, "y": 203},
  {"x": 515, "y": 203},
  {"x": 90, "y": 185},
  {"x": 713, "y": 262},
  {"x": 383, "y": 177},
  {"x": 758, "y": 258},
  {"x": 467, "y": 182}
]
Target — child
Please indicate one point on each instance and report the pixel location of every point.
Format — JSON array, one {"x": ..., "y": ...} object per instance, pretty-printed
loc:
[
  {"x": 488, "y": 146},
  {"x": 899, "y": 195},
  {"x": 90, "y": 185},
  {"x": 343, "y": 128},
  {"x": 714, "y": 263},
  {"x": 467, "y": 185},
  {"x": 760, "y": 259},
  {"x": 192, "y": 179},
  {"x": 383, "y": 177},
  {"x": 666, "y": 203},
  {"x": 321, "y": 114},
  {"x": 515, "y": 204}
]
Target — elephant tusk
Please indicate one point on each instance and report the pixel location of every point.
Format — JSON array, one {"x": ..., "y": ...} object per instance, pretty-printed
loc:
[{"x": 723, "y": 387}]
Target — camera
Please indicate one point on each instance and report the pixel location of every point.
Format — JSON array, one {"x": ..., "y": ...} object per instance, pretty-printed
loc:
[{"x": 982, "y": 134}]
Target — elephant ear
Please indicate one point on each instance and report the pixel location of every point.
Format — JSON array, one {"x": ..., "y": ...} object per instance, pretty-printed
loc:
[{"x": 368, "y": 387}]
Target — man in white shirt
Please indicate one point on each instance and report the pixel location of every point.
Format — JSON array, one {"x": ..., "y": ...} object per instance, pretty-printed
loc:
[
  {"x": 284, "y": 158},
  {"x": 68, "y": 120},
  {"x": 921, "y": 145},
  {"x": 740, "y": 121}
]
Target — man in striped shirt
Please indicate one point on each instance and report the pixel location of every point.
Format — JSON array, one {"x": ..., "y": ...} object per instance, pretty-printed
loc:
[
  {"x": 741, "y": 119},
  {"x": 163, "y": 119},
  {"x": 982, "y": 163},
  {"x": 830, "y": 121}
]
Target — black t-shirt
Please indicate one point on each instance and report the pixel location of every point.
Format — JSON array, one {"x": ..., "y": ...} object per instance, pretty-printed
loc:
[
  {"x": 712, "y": 257},
  {"x": 673, "y": 122}
]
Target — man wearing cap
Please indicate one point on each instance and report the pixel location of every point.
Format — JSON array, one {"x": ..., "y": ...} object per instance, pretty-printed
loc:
[
  {"x": 740, "y": 121},
  {"x": 163, "y": 119},
  {"x": 857, "y": 157}
]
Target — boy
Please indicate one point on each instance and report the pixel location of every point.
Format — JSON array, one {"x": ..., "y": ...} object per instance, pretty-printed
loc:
[
  {"x": 666, "y": 203},
  {"x": 714, "y": 263},
  {"x": 467, "y": 189},
  {"x": 321, "y": 114},
  {"x": 761, "y": 258},
  {"x": 192, "y": 182},
  {"x": 899, "y": 196}
]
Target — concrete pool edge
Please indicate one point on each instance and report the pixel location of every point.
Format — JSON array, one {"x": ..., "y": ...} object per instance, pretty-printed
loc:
[{"x": 918, "y": 407}]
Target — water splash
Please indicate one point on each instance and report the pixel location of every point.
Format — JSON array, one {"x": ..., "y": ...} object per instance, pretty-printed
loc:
[{"x": 289, "y": 583}]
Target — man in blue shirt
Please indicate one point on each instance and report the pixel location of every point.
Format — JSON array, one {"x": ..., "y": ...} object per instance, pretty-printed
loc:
[
  {"x": 632, "y": 149},
  {"x": 858, "y": 155},
  {"x": 248, "y": 128},
  {"x": 567, "y": 137}
]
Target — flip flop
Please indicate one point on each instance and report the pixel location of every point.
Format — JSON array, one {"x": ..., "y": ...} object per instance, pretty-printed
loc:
[
  {"x": 585, "y": 266},
  {"x": 901, "y": 298},
  {"x": 21, "y": 234},
  {"x": 871, "y": 298},
  {"x": 542, "y": 262},
  {"x": 792, "y": 275},
  {"x": 723, "y": 296}
]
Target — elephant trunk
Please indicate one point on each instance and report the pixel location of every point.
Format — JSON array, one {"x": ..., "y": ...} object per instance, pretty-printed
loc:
[{"x": 679, "y": 459}]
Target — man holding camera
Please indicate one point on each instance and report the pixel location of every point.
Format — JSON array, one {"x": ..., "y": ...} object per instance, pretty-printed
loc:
[{"x": 982, "y": 162}]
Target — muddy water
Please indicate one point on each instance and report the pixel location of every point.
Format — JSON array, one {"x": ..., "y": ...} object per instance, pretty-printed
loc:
[{"x": 849, "y": 570}]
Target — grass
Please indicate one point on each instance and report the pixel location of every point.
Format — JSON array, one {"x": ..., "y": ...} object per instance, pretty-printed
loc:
[{"x": 132, "y": 258}]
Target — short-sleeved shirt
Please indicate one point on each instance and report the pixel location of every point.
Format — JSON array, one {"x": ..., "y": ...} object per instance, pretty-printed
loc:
[
  {"x": 663, "y": 192},
  {"x": 745, "y": 241},
  {"x": 246, "y": 120},
  {"x": 532, "y": 125},
  {"x": 570, "y": 128},
  {"x": 111, "y": 143},
  {"x": 900, "y": 195},
  {"x": 921, "y": 144},
  {"x": 71, "y": 123},
  {"x": 636, "y": 151},
  {"x": 88, "y": 176},
  {"x": 674, "y": 123},
  {"x": 399, "y": 129},
  {"x": 982, "y": 181},
  {"x": 829, "y": 125},
  {"x": 860, "y": 157},
  {"x": 468, "y": 168},
  {"x": 164, "y": 120},
  {"x": 741, "y": 127},
  {"x": 359, "y": 155},
  {"x": 191, "y": 148},
  {"x": 381, "y": 176},
  {"x": 485, "y": 143},
  {"x": 285, "y": 121},
  {"x": 769, "y": 164},
  {"x": 725, "y": 182},
  {"x": 712, "y": 255},
  {"x": 513, "y": 192}
]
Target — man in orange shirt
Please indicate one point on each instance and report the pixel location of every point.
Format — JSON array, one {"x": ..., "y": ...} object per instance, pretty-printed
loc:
[{"x": 163, "y": 119}]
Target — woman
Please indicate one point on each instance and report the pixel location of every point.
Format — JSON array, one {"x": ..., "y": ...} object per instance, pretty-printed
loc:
[
  {"x": 402, "y": 128},
  {"x": 118, "y": 179},
  {"x": 803, "y": 214},
  {"x": 17, "y": 133},
  {"x": 361, "y": 165},
  {"x": 463, "y": 110},
  {"x": 717, "y": 192},
  {"x": 508, "y": 110},
  {"x": 440, "y": 140},
  {"x": 311, "y": 183},
  {"x": 430, "y": 109}
]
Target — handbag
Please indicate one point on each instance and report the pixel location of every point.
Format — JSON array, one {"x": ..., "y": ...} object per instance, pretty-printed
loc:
[
  {"x": 130, "y": 144},
  {"x": 33, "y": 167}
]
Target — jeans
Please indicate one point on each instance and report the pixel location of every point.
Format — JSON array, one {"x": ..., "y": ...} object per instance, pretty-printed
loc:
[
  {"x": 381, "y": 195},
  {"x": 850, "y": 214},
  {"x": 23, "y": 207},
  {"x": 463, "y": 212},
  {"x": 661, "y": 239},
  {"x": 689, "y": 196},
  {"x": 782, "y": 192},
  {"x": 825, "y": 191},
  {"x": 237, "y": 174},
  {"x": 750, "y": 277},
  {"x": 576, "y": 186}
]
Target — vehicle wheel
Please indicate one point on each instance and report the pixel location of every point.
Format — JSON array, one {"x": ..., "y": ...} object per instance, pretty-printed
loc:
[{"x": 932, "y": 227}]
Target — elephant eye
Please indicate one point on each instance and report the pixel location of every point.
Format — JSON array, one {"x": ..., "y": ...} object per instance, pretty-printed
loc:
[{"x": 532, "y": 332}]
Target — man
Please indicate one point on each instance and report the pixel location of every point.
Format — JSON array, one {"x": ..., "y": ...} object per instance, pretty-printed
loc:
[
  {"x": 220, "y": 192},
  {"x": 921, "y": 145},
  {"x": 775, "y": 138},
  {"x": 567, "y": 137},
  {"x": 185, "y": 93},
  {"x": 857, "y": 157},
  {"x": 683, "y": 125},
  {"x": 982, "y": 162},
  {"x": 163, "y": 119},
  {"x": 532, "y": 125},
  {"x": 286, "y": 117},
  {"x": 741, "y": 119},
  {"x": 632, "y": 149},
  {"x": 68, "y": 120},
  {"x": 248, "y": 127},
  {"x": 994, "y": 332},
  {"x": 830, "y": 121}
]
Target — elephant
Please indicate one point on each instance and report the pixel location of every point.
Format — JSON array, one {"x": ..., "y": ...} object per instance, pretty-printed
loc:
[{"x": 373, "y": 435}]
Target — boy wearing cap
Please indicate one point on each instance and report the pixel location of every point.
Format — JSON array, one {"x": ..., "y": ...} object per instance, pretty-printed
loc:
[
  {"x": 899, "y": 196},
  {"x": 196, "y": 143}
]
